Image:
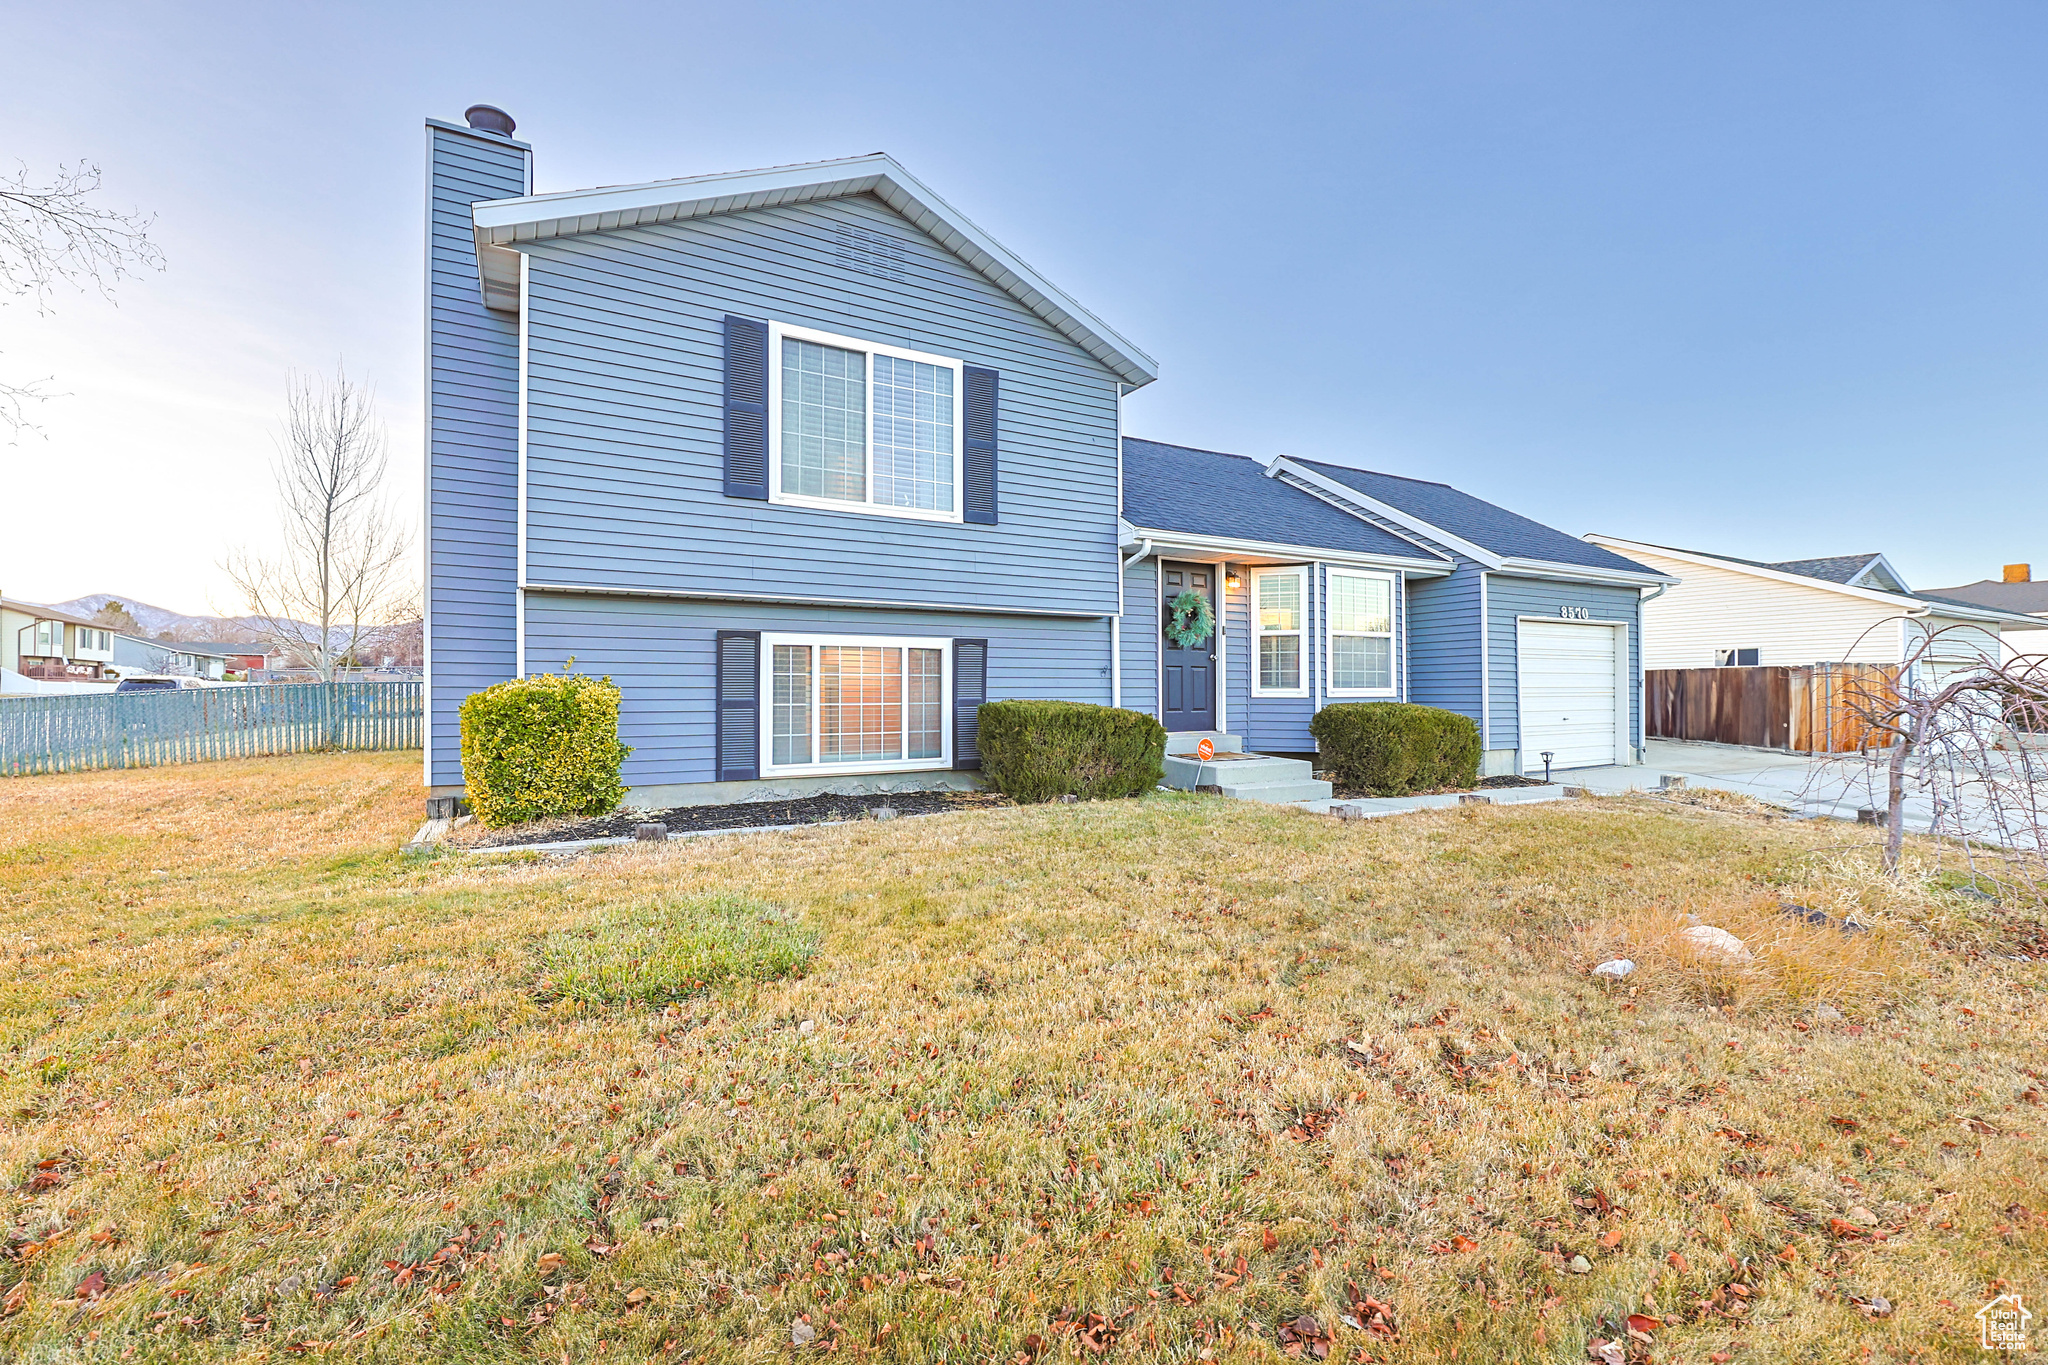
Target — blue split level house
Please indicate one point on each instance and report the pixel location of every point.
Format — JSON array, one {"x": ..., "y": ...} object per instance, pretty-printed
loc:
[{"x": 811, "y": 466}]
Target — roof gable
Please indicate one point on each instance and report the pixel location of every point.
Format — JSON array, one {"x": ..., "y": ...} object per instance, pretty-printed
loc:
[
  {"x": 502, "y": 224},
  {"x": 1476, "y": 521},
  {"x": 1206, "y": 492}
]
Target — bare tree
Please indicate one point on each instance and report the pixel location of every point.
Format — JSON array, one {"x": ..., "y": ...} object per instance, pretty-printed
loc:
[
  {"x": 344, "y": 558},
  {"x": 52, "y": 234},
  {"x": 1969, "y": 733}
]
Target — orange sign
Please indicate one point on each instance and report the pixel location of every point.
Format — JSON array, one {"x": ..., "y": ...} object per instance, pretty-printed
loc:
[{"x": 1206, "y": 750}]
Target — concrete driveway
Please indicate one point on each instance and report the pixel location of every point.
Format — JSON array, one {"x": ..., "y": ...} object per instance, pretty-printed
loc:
[{"x": 1836, "y": 786}]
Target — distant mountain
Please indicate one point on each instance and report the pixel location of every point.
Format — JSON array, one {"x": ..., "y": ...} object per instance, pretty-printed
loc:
[{"x": 159, "y": 621}]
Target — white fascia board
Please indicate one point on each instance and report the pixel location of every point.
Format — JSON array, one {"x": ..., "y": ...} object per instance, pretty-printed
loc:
[
  {"x": 1918, "y": 605},
  {"x": 1584, "y": 573},
  {"x": 1339, "y": 489},
  {"x": 502, "y": 224},
  {"x": 1171, "y": 543}
]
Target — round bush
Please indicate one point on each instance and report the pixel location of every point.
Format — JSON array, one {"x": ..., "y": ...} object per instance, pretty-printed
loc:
[
  {"x": 1393, "y": 748},
  {"x": 1036, "y": 750},
  {"x": 542, "y": 747}
]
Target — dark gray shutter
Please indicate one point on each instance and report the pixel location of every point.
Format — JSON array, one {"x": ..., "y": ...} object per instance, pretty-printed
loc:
[
  {"x": 746, "y": 408},
  {"x": 970, "y": 690},
  {"x": 979, "y": 473},
  {"x": 739, "y": 705}
]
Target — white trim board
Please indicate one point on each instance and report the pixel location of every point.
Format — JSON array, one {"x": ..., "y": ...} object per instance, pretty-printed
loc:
[
  {"x": 1187, "y": 545},
  {"x": 771, "y": 599}
]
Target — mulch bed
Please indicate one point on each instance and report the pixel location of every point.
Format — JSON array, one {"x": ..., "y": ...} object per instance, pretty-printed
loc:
[{"x": 806, "y": 810}]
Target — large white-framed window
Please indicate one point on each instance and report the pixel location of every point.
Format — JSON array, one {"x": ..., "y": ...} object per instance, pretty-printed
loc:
[
  {"x": 855, "y": 703},
  {"x": 1279, "y": 632},
  {"x": 863, "y": 427},
  {"x": 1360, "y": 626}
]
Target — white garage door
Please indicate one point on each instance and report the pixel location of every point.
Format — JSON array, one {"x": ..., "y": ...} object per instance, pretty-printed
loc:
[{"x": 1567, "y": 693}]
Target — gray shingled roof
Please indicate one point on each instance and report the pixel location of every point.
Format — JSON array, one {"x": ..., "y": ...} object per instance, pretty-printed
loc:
[
  {"x": 2030, "y": 598},
  {"x": 1206, "y": 492},
  {"x": 1832, "y": 568},
  {"x": 1471, "y": 519}
]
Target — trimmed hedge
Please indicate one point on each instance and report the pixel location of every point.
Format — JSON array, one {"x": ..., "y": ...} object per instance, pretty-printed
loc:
[
  {"x": 540, "y": 747},
  {"x": 1036, "y": 750},
  {"x": 1392, "y": 748}
]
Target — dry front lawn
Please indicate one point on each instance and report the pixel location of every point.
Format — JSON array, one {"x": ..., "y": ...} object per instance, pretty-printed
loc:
[{"x": 1173, "y": 1079}]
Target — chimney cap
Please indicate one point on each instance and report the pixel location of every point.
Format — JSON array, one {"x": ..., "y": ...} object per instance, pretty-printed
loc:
[
  {"x": 489, "y": 118},
  {"x": 2019, "y": 573}
]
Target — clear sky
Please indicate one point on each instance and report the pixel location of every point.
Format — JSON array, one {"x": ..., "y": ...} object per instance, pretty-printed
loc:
[{"x": 1762, "y": 278}]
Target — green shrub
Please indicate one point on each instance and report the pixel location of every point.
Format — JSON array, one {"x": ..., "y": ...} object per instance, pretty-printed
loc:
[
  {"x": 1036, "y": 750},
  {"x": 540, "y": 747},
  {"x": 1390, "y": 748},
  {"x": 672, "y": 949}
]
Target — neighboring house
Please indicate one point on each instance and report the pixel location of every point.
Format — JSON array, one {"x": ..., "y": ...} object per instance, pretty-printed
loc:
[
  {"x": 51, "y": 645},
  {"x": 811, "y": 467},
  {"x": 1726, "y": 611},
  {"x": 236, "y": 656},
  {"x": 183, "y": 659},
  {"x": 2017, "y": 592}
]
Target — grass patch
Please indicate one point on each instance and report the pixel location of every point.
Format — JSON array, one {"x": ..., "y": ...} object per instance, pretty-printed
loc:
[
  {"x": 670, "y": 950},
  {"x": 1169, "y": 1073}
]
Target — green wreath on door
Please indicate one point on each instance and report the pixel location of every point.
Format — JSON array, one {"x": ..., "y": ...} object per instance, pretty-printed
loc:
[{"x": 1190, "y": 620}]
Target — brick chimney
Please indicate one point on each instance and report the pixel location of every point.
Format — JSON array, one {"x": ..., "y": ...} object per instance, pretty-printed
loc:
[{"x": 2019, "y": 573}]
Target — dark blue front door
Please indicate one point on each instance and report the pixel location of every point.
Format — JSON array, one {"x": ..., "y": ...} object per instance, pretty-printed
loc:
[{"x": 1187, "y": 677}]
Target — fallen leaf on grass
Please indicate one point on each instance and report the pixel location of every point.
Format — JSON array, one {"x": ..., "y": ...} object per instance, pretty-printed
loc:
[
  {"x": 1607, "y": 1352},
  {"x": 1305, "y": 1337},
  {"x": 1676, "y": 1260},
  {"x": 549, "y": 1261},
  {"x": 1611, "y": 1240}
]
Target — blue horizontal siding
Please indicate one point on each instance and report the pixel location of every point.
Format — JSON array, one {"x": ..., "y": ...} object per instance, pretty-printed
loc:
[
  {"x": 1141, "y": 637},
  {"x": 1510, "y": 598},
  {"x": 472, "y": 445},
  {"x": 1443, "y": 642},
  {"x": 625, "y": 427},
  {"x": 660, "y": 653}
]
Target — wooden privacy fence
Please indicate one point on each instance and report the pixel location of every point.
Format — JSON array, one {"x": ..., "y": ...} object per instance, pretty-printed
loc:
[
  {"x": 144, "y": 729},
  {"x": 1816, "y": 709}
]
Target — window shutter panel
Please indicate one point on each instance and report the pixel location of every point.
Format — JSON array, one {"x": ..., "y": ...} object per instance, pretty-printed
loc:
[
  {"x": 746, "y": 408},
  {"x": 970, "y": 690},
  {"x": 739, "y": 705},
  {"x": 979, "y": 449}
]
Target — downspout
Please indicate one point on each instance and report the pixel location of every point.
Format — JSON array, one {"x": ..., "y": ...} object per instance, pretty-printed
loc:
[{"x": 1642, "y": 664}]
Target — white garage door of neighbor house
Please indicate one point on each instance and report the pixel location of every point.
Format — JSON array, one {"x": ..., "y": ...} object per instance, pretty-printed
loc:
[{"x": 1567, "y": 693}]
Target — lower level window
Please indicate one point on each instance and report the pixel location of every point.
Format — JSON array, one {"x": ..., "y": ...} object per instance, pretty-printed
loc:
[
  {"x": 1735, "y": 658},
  {"x": 839, "y": 702}
]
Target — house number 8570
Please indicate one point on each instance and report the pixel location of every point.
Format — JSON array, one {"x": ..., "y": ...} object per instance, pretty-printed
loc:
[{"x": 1576, "y": 613}]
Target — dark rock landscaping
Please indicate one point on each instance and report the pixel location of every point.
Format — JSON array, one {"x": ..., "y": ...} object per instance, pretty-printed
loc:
[{"x": 805, "y": 810}]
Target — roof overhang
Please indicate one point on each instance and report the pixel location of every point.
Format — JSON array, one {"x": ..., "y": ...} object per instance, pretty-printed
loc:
[
  {"x": 1192, "y": 545},
  {"x": 1918, "y": 606},
  {"x": 504, "y": 225}
]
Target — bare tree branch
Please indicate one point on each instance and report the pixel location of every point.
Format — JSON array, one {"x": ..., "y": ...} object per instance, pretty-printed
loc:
[
  {"x": 344, "y": 563},
  {"x": 1968, "y": 732},
  {"x": 53, "y": 234}
]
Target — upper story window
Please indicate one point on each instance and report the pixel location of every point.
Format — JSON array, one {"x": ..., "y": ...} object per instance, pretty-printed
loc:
[
  {"x": 863, "y": 427},
  {"x": 1361, "y": 617},
  {"x": 1279, "y": 608}
]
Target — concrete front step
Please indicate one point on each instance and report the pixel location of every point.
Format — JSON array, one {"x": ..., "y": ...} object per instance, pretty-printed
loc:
[
  {"x": 1184, "y": 741},
  {"x": 1248, "y": 777},
  {"x": 1281, "y": 793}
]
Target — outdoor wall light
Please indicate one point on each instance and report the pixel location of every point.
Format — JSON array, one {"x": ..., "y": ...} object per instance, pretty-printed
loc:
[{"x": 1233, "y": 581}]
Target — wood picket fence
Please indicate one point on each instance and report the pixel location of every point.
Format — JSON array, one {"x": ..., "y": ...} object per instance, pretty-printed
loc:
[
  {"x": 1814, "y": 709},
  {"x": 56, "y": 734}
]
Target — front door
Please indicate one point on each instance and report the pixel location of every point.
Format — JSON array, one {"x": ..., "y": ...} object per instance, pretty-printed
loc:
[{"x": 1187, "y": 673}]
